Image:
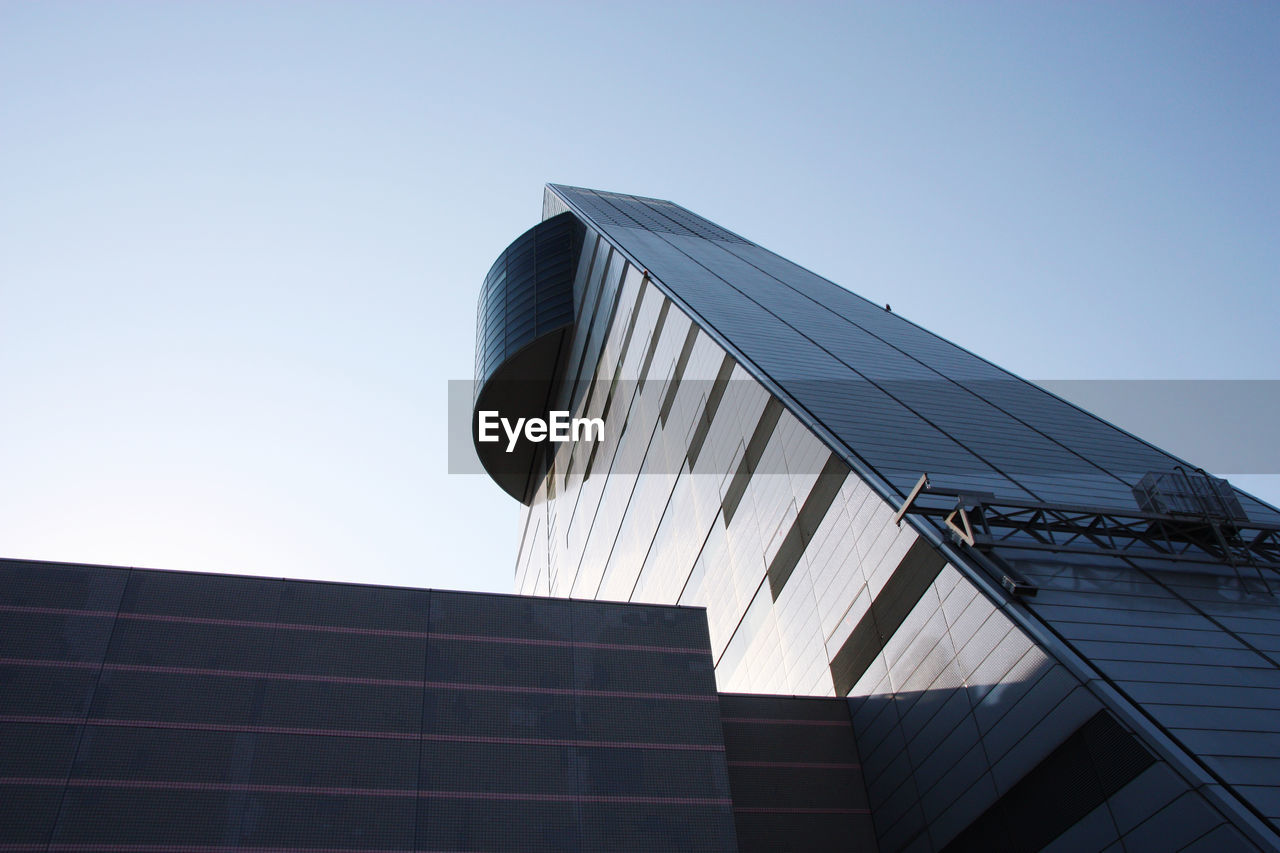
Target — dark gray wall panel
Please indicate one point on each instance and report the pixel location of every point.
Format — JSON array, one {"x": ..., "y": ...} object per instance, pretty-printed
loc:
[{"x": 273, "y": 714}]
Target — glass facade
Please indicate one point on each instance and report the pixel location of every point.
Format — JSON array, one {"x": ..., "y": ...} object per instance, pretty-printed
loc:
[
  {"x": 764, "y": 429},
  {"x": 524, "y": 314},
  {"x": 527, "y": 293}
]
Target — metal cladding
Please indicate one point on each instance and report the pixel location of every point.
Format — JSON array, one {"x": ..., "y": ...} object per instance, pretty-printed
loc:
[
  {"x": 154, "y": 711},
  {"x": 1030, "y": 657},
  {"x": 524, "y": 313}
]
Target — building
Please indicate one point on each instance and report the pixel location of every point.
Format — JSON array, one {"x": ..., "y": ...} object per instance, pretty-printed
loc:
[
  {"x": 144, "y": 711},
  {"x": 1050, "y": 633},
  {"x": 823, "y": 582}
]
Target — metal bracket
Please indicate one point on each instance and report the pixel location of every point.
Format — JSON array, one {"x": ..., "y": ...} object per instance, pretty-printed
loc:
[
  {"x": 1018, "y": 587},
  {"x": 921, "y": 485},
  {"x": 965, "y": 534}
]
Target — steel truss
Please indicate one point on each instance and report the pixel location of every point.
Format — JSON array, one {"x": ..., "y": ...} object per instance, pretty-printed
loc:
[{"x": 980, "y": 520}]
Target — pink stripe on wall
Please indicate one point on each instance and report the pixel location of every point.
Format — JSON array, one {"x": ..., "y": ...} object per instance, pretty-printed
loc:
[
  {"x": 343, "y": 629},
  {"x": 357, "y": 680},
  {"x": 766, "y": 721},
  {"x": 800, "y": 765},
  {"x": 388, "y": 735},
  {"x": 766, "y": 810},
  {"x": 342, "y": 791},
  {"x": 192, "y": 848}
]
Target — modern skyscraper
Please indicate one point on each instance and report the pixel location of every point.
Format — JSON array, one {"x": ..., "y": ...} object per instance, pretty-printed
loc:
[
  {"x": 997, "y": 622},
  {"x": 1050, "y": 633}
]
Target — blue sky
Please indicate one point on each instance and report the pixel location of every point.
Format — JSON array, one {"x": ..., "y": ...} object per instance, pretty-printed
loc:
[{"x": 240, "y": 243}]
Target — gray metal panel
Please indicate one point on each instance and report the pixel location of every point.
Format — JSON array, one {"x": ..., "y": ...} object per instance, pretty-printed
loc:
[
  {"x": 1181, "y": 822},
  {"x": 1223, "y": 839},
  {"x": 1151, "y": 791},
  {"x": 961, "y": 811},
  {"x": 1022, "y": 752},
  {"x": 1096, "y": 831}
]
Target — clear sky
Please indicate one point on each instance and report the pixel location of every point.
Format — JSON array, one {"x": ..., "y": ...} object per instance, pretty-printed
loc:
[{"x": 241, "y": 243}]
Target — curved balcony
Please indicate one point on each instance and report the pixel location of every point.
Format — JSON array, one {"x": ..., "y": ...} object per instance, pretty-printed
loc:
[{"x": 523, "y": 320}]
